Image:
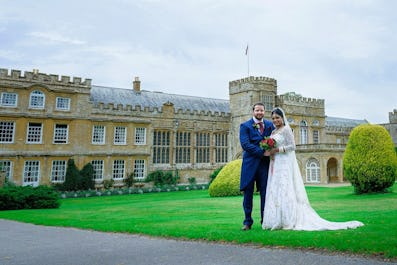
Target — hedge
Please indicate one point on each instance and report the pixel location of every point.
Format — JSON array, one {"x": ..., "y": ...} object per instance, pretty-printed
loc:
[{"x": 28, "y": 197}]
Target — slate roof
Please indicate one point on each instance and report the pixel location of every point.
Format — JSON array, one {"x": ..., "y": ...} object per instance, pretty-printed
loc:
[
  {"x": 342, "y": 122},
  {"x": 156, "y": 99},
  {"x": 152, "y": 99}
]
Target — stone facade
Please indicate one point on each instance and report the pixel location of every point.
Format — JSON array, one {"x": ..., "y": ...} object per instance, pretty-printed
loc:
[
  {"x": 127, "y": 121},
  {"x": 391, "y": 127},
  {"x": 46, "y": 120}
]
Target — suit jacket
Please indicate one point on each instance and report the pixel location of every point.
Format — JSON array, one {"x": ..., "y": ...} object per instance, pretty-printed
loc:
[{"x": 252, "y": 153}]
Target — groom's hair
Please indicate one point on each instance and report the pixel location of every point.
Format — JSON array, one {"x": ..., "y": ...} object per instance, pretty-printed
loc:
[{"x": 258, "y": 104}]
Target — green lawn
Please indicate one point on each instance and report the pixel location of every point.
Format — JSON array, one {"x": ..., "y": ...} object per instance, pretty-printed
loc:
[{"x": 195, "y": 215}]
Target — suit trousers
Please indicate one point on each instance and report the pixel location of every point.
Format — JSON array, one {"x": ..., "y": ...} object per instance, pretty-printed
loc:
[{"x": 260, "y": 179}]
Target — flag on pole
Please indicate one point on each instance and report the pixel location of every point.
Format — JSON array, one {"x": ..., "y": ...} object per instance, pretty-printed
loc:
[{"x": 246, "y": 50}]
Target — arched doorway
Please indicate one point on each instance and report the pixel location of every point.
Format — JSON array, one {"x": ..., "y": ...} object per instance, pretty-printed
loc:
[{"x": 332, "y": 170}]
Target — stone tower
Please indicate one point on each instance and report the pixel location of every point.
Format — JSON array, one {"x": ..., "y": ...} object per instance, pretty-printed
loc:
[
  {"x": 243, "y": 93},
  {"x": 392, "y": 126}
]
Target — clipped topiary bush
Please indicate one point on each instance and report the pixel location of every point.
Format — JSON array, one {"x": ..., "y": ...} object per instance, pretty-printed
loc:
[
  {"x": 370, "y": 162},
  {"x": 227, "y": 182}
]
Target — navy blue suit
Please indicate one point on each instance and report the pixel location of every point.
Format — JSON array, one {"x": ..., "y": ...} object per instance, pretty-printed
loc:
[{"x": 255, "y": 166}]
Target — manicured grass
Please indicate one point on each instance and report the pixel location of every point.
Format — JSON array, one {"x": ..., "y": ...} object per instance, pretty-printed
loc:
[{"x": 195, "y": 215}]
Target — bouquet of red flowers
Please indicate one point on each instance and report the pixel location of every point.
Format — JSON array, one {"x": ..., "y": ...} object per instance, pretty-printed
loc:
[{"x": 267, "y": 143}]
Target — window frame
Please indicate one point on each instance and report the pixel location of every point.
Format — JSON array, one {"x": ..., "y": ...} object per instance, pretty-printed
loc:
[
  {"x": 29, "y": 133},
  {"x": 29, "y": 174},
  {"x": 58, "y": 170},
  {"x": 121, "y": 137},
  {"x": 140, "y": 132},
  {"x": 35, "y": 97},
  {"x": 203, "y": 146},
  {"x": 95, "y": 135},
  {"x": 268, "y": 102},
  {"x": 7, "y": 167},
  {"x": 161, "y": 147},
  {"x": 221, "y": 147},
  {"x": 183, "y": 147},
  {"x": 66, "y": 134},
  {"x": 118, "y": 169},
  {"x": 6, "y": 104},
  {"x": 316, "y": 136},
  {"x": 139, "y": 169},
  {"x": 60, "y": 108},
  {"x": 5, "y": 133},
  {"x": 313, "y": 171},
  {"x": 303, "y": 132},
  {"x": 98, "y": 166}
]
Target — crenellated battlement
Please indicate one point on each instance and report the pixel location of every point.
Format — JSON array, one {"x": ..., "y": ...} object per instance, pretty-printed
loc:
[
  {"x": 50, "y": 79},
  {"x": 113, "y": 109},
  {"x": 393, "y": 116},
  {"x": 296, "y": 99},
  {"x": 251, "y": 79}
]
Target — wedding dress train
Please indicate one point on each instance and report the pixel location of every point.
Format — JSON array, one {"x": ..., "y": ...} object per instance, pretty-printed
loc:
[{"x": 287, "y": 205}]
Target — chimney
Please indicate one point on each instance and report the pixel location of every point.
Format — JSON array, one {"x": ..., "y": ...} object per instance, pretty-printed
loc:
[{"x": 136, "y": 84}]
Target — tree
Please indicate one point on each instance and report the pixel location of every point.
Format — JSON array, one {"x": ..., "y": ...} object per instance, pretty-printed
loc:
[
  {"x": 86, "y": 177},
  {"x": 370, "y": 162},
  {"x": 72, "y": 177}
]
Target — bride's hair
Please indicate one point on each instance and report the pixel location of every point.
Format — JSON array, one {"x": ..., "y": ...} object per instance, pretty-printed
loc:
[{"x": 280, "y": 112}]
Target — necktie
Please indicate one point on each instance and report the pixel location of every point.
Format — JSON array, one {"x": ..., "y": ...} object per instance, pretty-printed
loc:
[{"x": 261, "y": 128}]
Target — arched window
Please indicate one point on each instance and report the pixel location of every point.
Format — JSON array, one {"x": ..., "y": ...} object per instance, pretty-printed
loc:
[
  {"x": 303, "y": 132},
  {"x": 37, "y": 99},
  {"x": 313, "y": 171}
]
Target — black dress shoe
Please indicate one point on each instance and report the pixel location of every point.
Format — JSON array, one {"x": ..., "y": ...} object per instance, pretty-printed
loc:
[{"x": 246, "y": 227}]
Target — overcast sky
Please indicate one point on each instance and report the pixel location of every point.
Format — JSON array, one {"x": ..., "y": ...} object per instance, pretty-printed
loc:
[{"x": 344, "y": 52}]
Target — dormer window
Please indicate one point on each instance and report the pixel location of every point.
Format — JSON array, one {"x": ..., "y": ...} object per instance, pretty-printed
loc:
[{"x": 37, "y": 100}]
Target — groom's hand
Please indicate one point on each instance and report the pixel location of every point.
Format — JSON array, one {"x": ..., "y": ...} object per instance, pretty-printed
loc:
[{"x": 267, "y": 153}]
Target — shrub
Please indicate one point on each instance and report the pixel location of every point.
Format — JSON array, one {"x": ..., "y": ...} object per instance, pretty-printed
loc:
[
  {"x": 72, "y": 177},
  {"x": 227, "y": 182},
  {"x": 369, "y": 161},
  {"x": 18, "y": 197},
  {"x": 129, "y": 180},
  {"x": 108, "y": 183},
  {"x": 161, "y": 178},
  {"x": 215, "y": 173},
  {"x": 87, "y": 177},
  {"x": 192, "y": 180}
]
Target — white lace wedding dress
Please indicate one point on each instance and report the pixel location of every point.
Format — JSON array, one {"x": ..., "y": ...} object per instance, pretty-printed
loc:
[{"x": 287, "y": 205}]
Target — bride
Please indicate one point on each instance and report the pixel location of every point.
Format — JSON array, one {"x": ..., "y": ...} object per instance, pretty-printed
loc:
[{"x": 286, "y": 204}]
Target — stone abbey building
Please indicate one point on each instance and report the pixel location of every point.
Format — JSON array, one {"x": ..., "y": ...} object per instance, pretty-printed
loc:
[{"x": 46, "y": 120}]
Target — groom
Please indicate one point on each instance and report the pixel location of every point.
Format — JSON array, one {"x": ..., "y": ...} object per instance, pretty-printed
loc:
[{"x": 255, "y": 165}]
